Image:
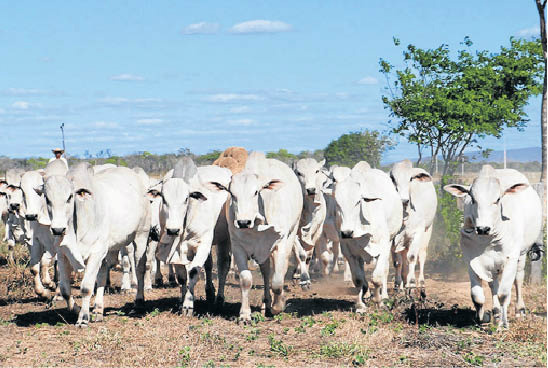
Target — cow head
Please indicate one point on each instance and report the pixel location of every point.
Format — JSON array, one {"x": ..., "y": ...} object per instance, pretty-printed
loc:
[
  {"x": 3, "y": 197},
  {"x": 404, "y": 176},
  {"x": 59, "y": 195},
  {"x": 175, "y": 193},
  {"x": 356, "y": 206},
  {"x": 245, "y": 190},
  {"x": 32, "y": 184},
  {"x": 311, "y": 175},
  {"x": 482, "y": 202}
]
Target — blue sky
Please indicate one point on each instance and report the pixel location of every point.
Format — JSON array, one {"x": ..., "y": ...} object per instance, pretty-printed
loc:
[{"x": 158, "y": 76}]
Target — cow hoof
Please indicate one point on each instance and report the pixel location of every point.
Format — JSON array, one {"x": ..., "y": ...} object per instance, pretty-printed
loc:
[
  {"x": 82, "y": 324},
  {"x": 244, "y": 318},
  {"x": 486, "y": 318},
  {"x": 520, "y": 313},
  {"x": 210, "y": 296},
  {"x": 305, "y": 286},
  {"x": 361, "y": 310},
  {"x": 98, "y": 317},
  {"x": 83, "y": 321},
  {"x": 422, "y": 294},
  {"x": 125, "y": 291},
  {"x": 45, "y": 294},
  {"x": 159, "y": 282},
  {"x": 186, "y": 311}
]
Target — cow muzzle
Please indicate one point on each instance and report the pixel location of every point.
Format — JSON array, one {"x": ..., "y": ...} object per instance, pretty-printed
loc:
[
  {"x": 310, "y": 191},
  {"x": 172, "y": 232},
  {"x": 58, "y": 231},
  {"x": 483, "y": 230},
  {"x": 347, "y": 234},
  {"x": 14, "y": 207},
  {"x": 243, "y": 224}
]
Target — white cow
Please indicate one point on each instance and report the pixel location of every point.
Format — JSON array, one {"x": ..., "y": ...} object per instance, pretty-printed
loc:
[
  {"x": 311, "y": 236},
  {"x": 192, "y": 249},
  {"x": 16, "y": 224},
  {"x": 502, "y": 220},
  {"x": 369, "y": 215},
  {"x": 94, "y": 216},
  {"x": 263, "y": 220},
  {"x": 41, "y": 241},
  {"x": 103, "y": 167},
  {"x": 418, "y": 195},
  {"x": 4, "y": 207}
]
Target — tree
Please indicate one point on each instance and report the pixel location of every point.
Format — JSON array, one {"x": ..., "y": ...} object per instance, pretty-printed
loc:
[
  {"x": 282, "y": 155},
  {"x": 444, "y": 104},
  {"x": 541, "y": 7},
  {"x": 353, "y": 147}
]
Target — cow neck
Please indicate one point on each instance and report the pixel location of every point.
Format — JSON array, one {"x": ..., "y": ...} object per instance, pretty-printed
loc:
[{"x": 86, "y": 220}]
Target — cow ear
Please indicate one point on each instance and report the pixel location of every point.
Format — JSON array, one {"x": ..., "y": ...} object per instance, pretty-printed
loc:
[
  {"x": 516, "y": 188},
  {"x": 84, "y": 194},
  {"x": 457, "y": 190},
  {"x": 153, "y": 193},
  {"x": 39, "y": 189},
  {"x": 274, "y": 184},
  {"x": 216, "y": 187},
  {"x": 198, "y": 195},
  {"x": 422, "y": 177}
]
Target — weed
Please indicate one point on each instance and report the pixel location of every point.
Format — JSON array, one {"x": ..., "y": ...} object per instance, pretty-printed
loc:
[
  {"x": 154, "y": 313},
  {"x": 253, "y": 335},
  {"x": 329, "y": 329},
  {"x": 209, "y": 364},
  {"x": 277, "y": 346},
  {"x": 473, "y": 359},
  {"x": 184, "y": 353}
]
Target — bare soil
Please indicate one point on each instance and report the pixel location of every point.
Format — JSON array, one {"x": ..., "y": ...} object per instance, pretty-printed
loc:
[{"x": 318, "y": 329}]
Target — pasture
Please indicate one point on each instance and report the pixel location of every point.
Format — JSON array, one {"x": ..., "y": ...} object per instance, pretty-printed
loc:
[{"x": 318, "y": 328}]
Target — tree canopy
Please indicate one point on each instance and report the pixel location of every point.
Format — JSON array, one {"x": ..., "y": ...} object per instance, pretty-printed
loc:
[
  {"x": 351, "y": 148},
  {"x": 445, "y": 103}
]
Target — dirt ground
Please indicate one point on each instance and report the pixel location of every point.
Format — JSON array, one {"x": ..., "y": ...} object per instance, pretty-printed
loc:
[{"x": 318, "y": 329}]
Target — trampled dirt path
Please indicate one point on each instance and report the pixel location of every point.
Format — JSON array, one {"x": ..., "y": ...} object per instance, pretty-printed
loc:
[{"x": 318, "y": 329}]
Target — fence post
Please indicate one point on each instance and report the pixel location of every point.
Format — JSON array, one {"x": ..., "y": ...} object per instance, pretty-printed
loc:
[{"x": 536, "y": 266}]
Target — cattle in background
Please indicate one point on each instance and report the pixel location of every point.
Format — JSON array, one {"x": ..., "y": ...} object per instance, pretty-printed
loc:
[
  {"x": 419, "y": 199},
  {"x": 94, "y": 216},
  {"x": 502, "y": 221},
  {"x": 4, "y": 207},
  {"x": 369, "y": 215},
  {"x": 16, "y": 224},
  {"x": 263, "y": 219}
]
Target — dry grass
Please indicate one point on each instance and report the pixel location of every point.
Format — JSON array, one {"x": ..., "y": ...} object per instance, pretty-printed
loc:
[{"x": 318, "y": 329}]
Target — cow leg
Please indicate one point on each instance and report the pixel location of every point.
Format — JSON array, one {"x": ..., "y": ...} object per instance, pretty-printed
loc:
[
  {"x": 380, "y": 276},
  {"x": 412, "y": 255},
  {"x": 95, "y": 261},
  {"x": 99, "y": 303},
  {"x": 151, "y": 256},
  {"x": 45, "y": 264},
  {"x": 35, "y": 257},
  {"x": 518, "y": 283},
  {"x": 133, "y": 266},
  {"x": 267, "y": 300},
  {"x": 280, "y": 260},
  {"x": 302, "y": 257},
  {"x": 126, "y": 270},
  {"x": 347, "y": 276},
  {"x": 325, "y": 255},
  {"x": 64, "y": 282},
  {"x": 494, "y": 286},
  {"x": 478, "y": 297},
  {"x": 202, "y": 254},
  {"x": 505, "y": 288},
  {"x": 158, "y": 277},
  {"x": 223, "y": 266},
  {"x": 358, "y": 277},
  {"x": 171, "y": 275},
  {"x": 139, "y": 263},
  {"x": 397, "y": 263},
  {"x": 335, "y": 267},
  {"x": 246, "y": 281},
  {"x": 404, "y": 267},
  {"x": 422, "y": 254},
  {"x": 209, "y": 287}
]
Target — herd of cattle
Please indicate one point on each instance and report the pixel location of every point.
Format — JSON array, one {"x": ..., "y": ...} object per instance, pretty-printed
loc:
[{"x": 258, "y": 209}]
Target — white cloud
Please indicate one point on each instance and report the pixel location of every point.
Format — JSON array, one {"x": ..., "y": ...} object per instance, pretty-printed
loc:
[
  {"x": 368, "y": 81},
  {"x": 136, "y": 102},
  {"x": 233, "y": 97},
  {"x": 21, "y": 105},
  {"x": 105, "y": 124},
  {"x": 260, "y": 26},
  {"x": 127, "y": 78},
  {"x": 149, "y": 121},
  {"x": 241, "y": 122},
  {"x": 239, "y": 109},
  {"x": 528, "y": 32},
  {"x": 201, "y": 28}
]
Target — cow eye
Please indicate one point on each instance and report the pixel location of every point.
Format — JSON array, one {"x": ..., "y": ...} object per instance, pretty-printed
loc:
[
  {"x": 256, "y": 193},
  {"x": 317, "y": 171},
  {"x": 497, "y": 201},
  {"x": 370, "y": 199},
  {"x": 299, "y": 174},
  {"x": 2, "y": 194}
]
